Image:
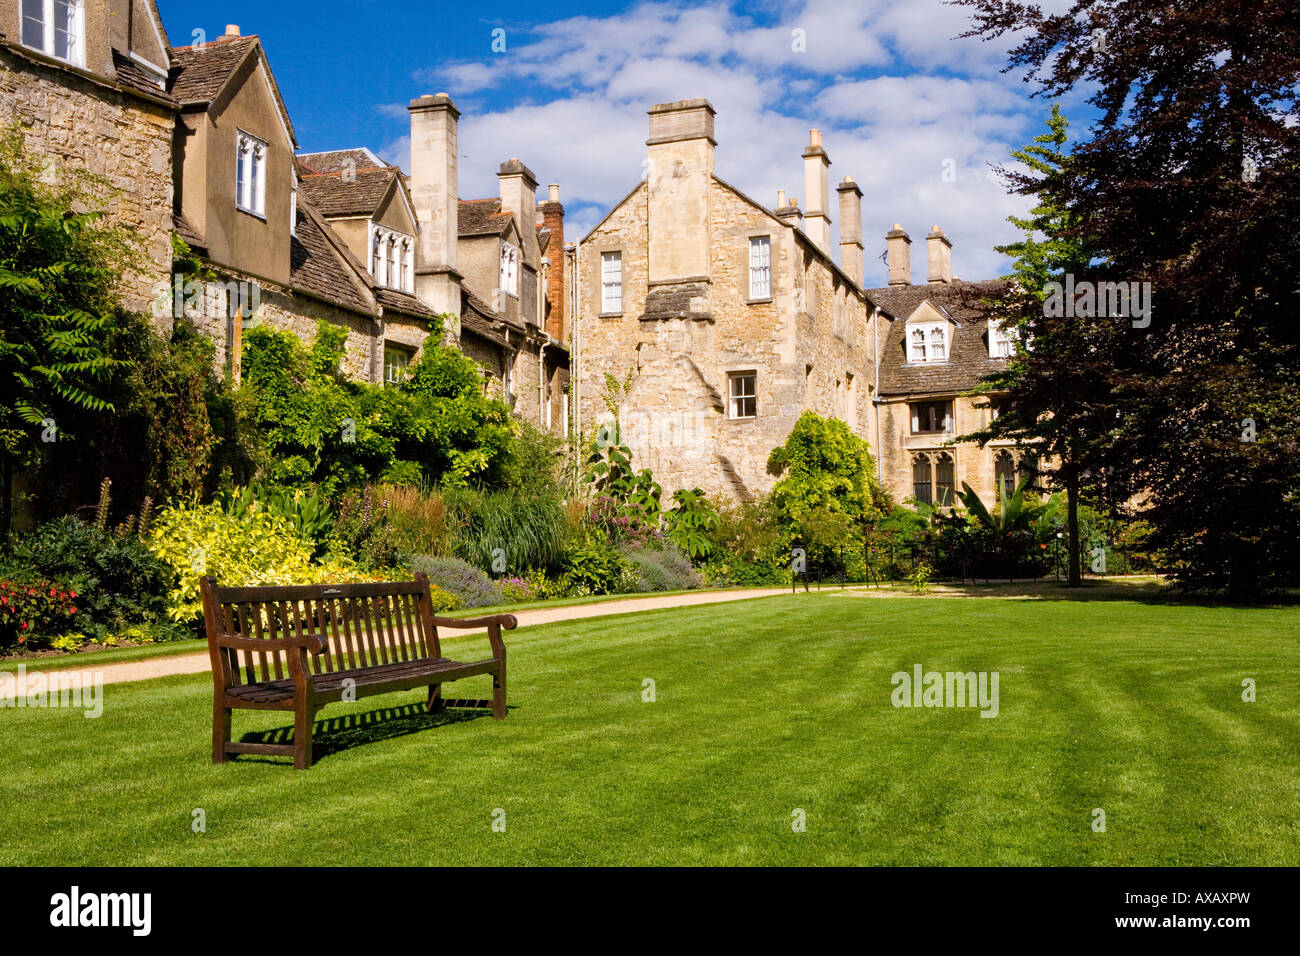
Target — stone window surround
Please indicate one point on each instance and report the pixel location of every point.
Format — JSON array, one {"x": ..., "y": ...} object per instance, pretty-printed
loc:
[
  {"x": 749, "y": 276},
  {"x": 395, "y": 349},
  {"x": 1001, "y": 334},
  {"x": 734, "y": 376},
  {"x": 949, "y": 417},
  {"x": 598, "y": 259},
  {"x": 508, "y": 279},
  {"x": 384, "y": 243},
  {"x": 930, "y": 459}
]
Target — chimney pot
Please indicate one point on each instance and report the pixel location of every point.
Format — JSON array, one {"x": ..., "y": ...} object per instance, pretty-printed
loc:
[
  {"x": 553, "y": 192},
  {"x": 780, "y": 199},
  {"x": 232, "y": 29},
  {"x": 816, "y": 182}
]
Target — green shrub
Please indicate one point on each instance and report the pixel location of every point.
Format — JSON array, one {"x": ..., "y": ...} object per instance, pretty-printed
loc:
[
  {"x": 737, "y": 572},
  {"x": 470, "y": 586},
  {"x": 33, "y": 611},
  {"x": 195, "y": 540},
  {"x": 530, "y": 529},
  {"x": 690, "y": 522},
  {"x": 660, "y": 569},
  {"x": 119, "y": 581},
  {"x": 597, "y": 569},
  {"x": 306, "y": 512}
]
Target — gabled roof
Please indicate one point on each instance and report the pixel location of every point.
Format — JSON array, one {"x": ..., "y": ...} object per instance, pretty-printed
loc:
[
  {"x": 968, "y": 353},
  {"x": 200, "y": 74},
  {"x": 321, "y": 265},
  {"x": 341, "y": 160},
  {"x": 483, "y": 217},
  {"x": 394, "y": 301},
  {"x": 354, "y": 193}
]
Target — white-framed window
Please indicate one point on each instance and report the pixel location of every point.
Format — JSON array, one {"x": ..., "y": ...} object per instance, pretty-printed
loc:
[
  {"x": 250, "y": 174},
  {"x": 928, "y": 342},
  {"x": 293, "y": 211},
  {"x": 760, "y": 267},
  {"x": 1000, "y": 340},
  {"x": 377, "y": 257},
  {"x": 611, "y": 282},
  {"x": 392, "y": 259},
  {"x": 396, "y": 359},
  {"x": 510, "y": 269},
  {"x": 742, "y": 394},
  {"x": 56, "y": 28}
]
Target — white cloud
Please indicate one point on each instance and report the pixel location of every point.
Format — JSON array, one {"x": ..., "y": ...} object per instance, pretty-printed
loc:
[{"x": 895, "y": 95}]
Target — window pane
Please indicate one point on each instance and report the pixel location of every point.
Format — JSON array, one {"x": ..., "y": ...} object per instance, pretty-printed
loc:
[
  {"x": 918, "y": 345},
  {"x": 921, "y": 479},
  {"x": 241, "y": 173},
  {"x": 760, "y": 271},
  {"x": 944, "y": 480},
  {"x": 65, "y": 29},
  {"x": 937, "y": 351},
  {"x": 611, "y": 280},
  {"x": 744, "y": 395},
  {"x": 34, "y": 23}
]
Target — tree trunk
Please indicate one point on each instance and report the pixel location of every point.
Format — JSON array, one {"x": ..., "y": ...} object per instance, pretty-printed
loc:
[{"x": 1075, "y": 576}]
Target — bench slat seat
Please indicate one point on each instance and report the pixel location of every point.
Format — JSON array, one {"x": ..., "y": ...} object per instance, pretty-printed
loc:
[
  {"x": 330, "y": 687},
  {"x": 303, "y": 646}
]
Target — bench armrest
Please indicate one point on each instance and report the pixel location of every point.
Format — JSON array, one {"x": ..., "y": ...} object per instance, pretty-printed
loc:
[
  {"x": 313, "y": 643},
  {"x": 493, "y": 623}
]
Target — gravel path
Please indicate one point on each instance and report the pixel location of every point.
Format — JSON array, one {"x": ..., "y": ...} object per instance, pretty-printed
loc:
[{"x": 199, "y": 662}]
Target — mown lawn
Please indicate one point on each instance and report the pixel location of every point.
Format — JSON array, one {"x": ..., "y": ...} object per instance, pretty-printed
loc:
[{"x": 762, "y": 707}]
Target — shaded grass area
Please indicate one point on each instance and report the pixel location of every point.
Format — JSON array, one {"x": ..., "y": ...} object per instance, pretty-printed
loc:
[{"x": 761, "y": 708}]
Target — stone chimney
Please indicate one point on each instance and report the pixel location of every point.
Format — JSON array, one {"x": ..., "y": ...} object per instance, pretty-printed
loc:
[
  {"x": 900, "y": 256},
  {"x": 553, "y": 219},
  {"x": 518, "y": 188},
  {"x": 851, "y": 229},
  {"x": 678, "y": 178},
  {"x": 789, "y": 212},
  {"x": 434, "y": 191},
  {"x": 939, "y": 251},
  {"x": 816, "y": 183}
]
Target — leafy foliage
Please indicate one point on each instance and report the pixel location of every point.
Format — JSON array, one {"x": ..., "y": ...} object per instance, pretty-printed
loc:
[{"x": 690, "y": 521}]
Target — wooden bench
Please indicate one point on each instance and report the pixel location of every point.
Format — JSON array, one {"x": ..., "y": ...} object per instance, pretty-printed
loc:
[{"x": 300, "y": 647}]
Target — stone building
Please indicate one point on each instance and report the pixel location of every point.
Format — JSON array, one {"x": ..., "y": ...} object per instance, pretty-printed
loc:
[
  {"x": 713, "y": 322},
  {"x": 88, "y": 89},
  {"x": 724, "y": 319},
  {"x": 487, "y": 262}
]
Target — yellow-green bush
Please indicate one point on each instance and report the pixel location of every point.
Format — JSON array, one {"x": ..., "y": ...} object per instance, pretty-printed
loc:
[{"x": 199, "y": 539}]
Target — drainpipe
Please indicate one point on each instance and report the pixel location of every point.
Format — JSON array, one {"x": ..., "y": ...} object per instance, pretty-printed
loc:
[
  {"x": 875, "y": 348},
  {"x": 575, "y": 371},
  {"x": 541, "y": 382}
]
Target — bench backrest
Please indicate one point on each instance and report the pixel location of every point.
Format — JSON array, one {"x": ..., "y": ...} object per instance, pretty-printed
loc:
[{"x": 365, "y": 625}]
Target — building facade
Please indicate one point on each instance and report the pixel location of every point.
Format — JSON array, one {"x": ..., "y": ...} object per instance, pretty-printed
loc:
[{"x": 707, "y": 323}]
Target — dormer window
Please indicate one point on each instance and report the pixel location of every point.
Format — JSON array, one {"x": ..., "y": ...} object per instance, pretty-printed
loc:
[
  {"x": 250, "y": 174},
  {"x": 509, "y": 269},
  {"x": 56, "y": 28},
  {"x": 928, "y": 342},
  {"x": 1000, "y": 340},
  {"x": 392, "y": 261}
]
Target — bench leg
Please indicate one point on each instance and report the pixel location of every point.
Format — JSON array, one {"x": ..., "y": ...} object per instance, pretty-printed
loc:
[
  {"x": 220, "y": 730},
  {"x": 435, "y": 699},
  {"x": 304, "y": 717},
  {"x": 499, "y": 693}
]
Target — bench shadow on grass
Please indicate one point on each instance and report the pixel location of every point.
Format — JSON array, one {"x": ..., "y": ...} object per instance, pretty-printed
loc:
[{"x": 347, "y": 731}]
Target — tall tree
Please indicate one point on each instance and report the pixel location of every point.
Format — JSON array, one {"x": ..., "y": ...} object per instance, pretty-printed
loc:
[
  {"x": 1188, "y": 181},
  {"x": 1055, "y": 395}
]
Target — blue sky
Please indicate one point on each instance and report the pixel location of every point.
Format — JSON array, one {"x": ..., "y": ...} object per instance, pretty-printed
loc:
[{"x": 913, "y": 115}]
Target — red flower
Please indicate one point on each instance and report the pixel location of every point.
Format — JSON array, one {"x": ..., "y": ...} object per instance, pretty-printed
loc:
[
  {"x": 21, "y": 639},
  {"x": 23, "y": 626}
]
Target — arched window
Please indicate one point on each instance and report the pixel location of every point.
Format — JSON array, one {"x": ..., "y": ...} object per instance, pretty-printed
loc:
[
  {"x": 394, "y": 275},
  {"x": 407, "y": 255},
  {"x": 377, "y": 259},
  {"x": 944, "y": 480},
  {"x": 1029, "y": 469},
  {"x": 1004, "y": 472},
  {"x": 921, "y": 485}
]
